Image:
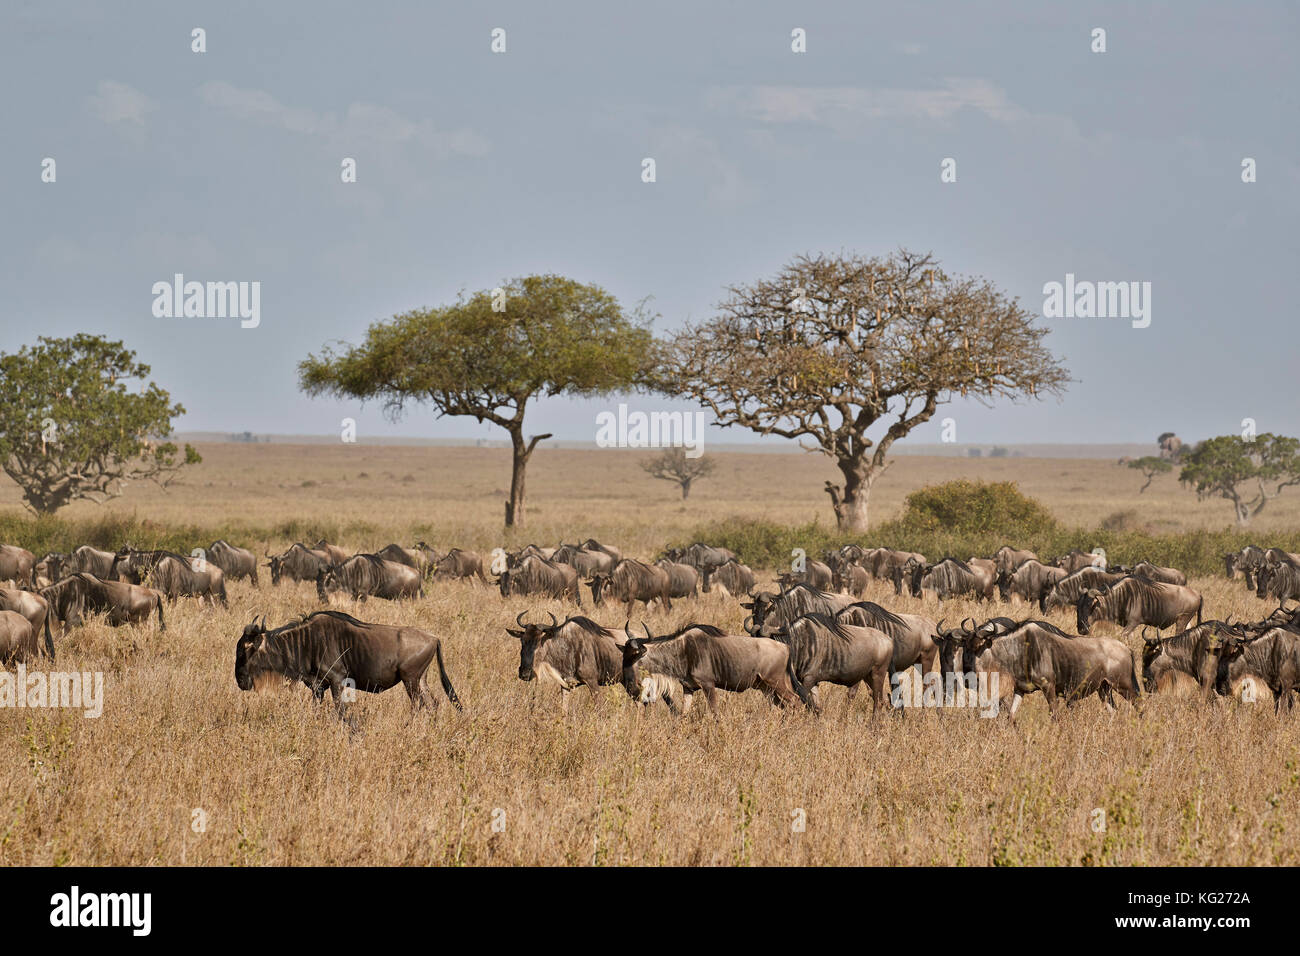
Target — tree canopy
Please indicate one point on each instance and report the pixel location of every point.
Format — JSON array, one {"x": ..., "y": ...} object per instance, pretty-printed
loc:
[{"x": 1247, "y": 473}]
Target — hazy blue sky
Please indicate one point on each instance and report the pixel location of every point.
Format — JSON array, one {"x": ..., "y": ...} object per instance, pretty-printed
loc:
[{"x": 475, "y": 166}]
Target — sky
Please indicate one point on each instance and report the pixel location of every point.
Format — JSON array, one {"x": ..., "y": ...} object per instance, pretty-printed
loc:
[{"x": 473, "y": 166}]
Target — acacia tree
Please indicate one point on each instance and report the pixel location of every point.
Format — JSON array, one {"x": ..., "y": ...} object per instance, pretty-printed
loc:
[
  {"x": 70, "y": 428},
  {"x": 674, "y": 465},
  {"x": 835, "y": 344},
  {"x": 1240, "y": 471},
  {"x": 1150, "y": 466},
  {"x": 547, "y": 336}
]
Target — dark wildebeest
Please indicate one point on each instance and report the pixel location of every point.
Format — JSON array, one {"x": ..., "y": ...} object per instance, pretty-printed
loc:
[
  {"x": 1279, "y": 581},
  {"x": 732, "y": 578},
  {"x": 914, "y": 636},
  {"x": 1077, "y": 560},
  {"x": 1072, "y": 668},
  {"x": 1133, "y": 601},
  {"x": 683, "y": 580},
  {"x": 411, "y": 557},
  {"x": 93, "y": 561},
  {"x": 1193, "y": 653},
  {"x": 826, "y": 649},
  {"x": 849, "y": 578},
  {"x": 333, "y": 552},
  {"x": 368, "y": 575},
  {"x": 458, "y": 563},
  {"x": 235, "y": 563},
  {"x": 173, "y": 574},
  {"x": 81, "y": 593},
  {"x": 701, "y": 556},
  {"x": 952, "y": 578},
  {"x": 998, "y": 651},
  {"x": 953, "y": 642},
  {"x": 16, "y": 564},
  {"x": 50, "y": 568},
  {"x": 1248, "y": 560},
  {"x": 631, "y": 581},
  {"x": 1154, "y": 572},
  {"x": 1007, "y": 558},
  {"x": 332, "y": 650},
  {"x": 815, "y": 574},
  {"x": 1031, "y": 582},
  {"x": 708, "y": 662},
  {"x": 586, "y": 563},
  {"x": 536, "y": 575},
  {"x": 1278, "y": 556},
  {"x": 31, "y": 606},
  {"x": 299, "y": 563},
  {"x": 1067, "y": 591},
  {"x": 792, "y": 603},
  {"x": 17, "y": 640},
  {"x": 575, "y": 653},
  {"x": 1273, "y": 659}
]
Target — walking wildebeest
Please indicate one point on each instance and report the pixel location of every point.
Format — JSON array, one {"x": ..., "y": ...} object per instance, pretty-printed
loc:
[
  {"x": 792, "y": 603},
  {"x": 173, "y": 574},
  {"x": 16, "y": 564},
  {"x": 81, "y": 592},
  {"x": 235, "y": 563},
  {"x": 93, "y": 561},
  {"x": 914, "y": 636},
  {"x": 31, "y": 606},
  {"x": 458, "y": 563},
  {"x": 1273, "y": 658},
  {"x": 1067, "y": 591},
  {"x": 1194, "y": 653},
  {"x": 1154, "y": 572},
  {"x": 1072, "y": 668},
  {"x": 576, "y": 653},
  {"x": 514, "y": 559},
  {"x": 1030, "y": 581},
  {"x": 330, "y": 649},
  {"x": 591, "y": 544},
  {"x": 1007, "y": 558},
  {"x": 825, "y": 649},
  {"x": 586, "y": 563},
  {"x": 1077, "y": 560},
  {"x": 701, "y": 556},
  {"x": 683, "y": 580},
  {"x": 732, "y": 578},
  {"x": 1279, "y": 581},
  {"x": 298, "y": 563},
  {"x": 631, "y": 581},
  {"x": 952, "y": 577},
  {"x": 17, "y": 639},
  {"x": 1133, "y": 601},
  {"x": 368, "y": 575},
  {"x": 536, "y": 575},
  {"x": 1248, "y": 560},
  {"x": 849, "y": 578}
]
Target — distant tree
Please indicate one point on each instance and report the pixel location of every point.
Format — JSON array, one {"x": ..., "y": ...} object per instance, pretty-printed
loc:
[
  {"x": 998, "y": 452},
  {"x": 1149, "y": 466},
  {"x": 1171, "y": 446},
  {"x": 71, "y": 429},
  {"x": 674, "y": 465},
  {"x": 834, "y": 345},
  {"x": 1241, "y": 471},
  {"x": 553, "y": 336}
]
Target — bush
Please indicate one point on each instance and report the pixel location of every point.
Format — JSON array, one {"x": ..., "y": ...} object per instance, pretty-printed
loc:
[{"x": 966, "y": 508}]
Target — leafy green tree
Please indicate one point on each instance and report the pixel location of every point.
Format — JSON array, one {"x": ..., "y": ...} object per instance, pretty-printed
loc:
[
  {"x": 71, "y": 428},
  {"x": 1241, "y": 471},
  {"x": 489, "y": 355},
  {"x": 1150, "y": 466}
]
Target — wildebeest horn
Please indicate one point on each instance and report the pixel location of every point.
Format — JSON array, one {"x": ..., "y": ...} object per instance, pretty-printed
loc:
[
  {"x": 645, "y": 627},
  {"x": 966, "y": 630},
  {"x": 554, "y": 622},
  {"x": 520, "y": 619},
  {"x": 749, "y": 619}
]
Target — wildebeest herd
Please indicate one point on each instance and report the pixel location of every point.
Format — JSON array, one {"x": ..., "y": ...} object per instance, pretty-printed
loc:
[{"x": 815, "y": 627}]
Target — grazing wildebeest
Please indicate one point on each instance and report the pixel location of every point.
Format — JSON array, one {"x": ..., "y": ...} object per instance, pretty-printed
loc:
[
  {"x": 411, "y": 557},
  {"x": 709, "y": 662},
  {"x": 93, "y": 561},
  {"x": 17, "y": 639},
  {"x": 333, "y": 552},
  {"x": 732, "y": 578},
  {"x": 1030, "y": 581},
  {"x": 1007, "y": 558},
  {"x": 1133, "y": 601},
  {"x": 576, "y": 653},
  {"x": 1067, "y": 591},
  {"x": 16, "y": 564},
  {"x": 1194, "y": 653},
  {"x": 952, "y": 578},
  {"x": 298, "y": 563},
  {"x": 173, "y": 574},
  {"x": 31, "y": 606},
  {"x": 330, "y": 649},
  {"x": 1077, "y": 560},
  {"x": 1272, "y": 658},
  {"x": 631, "y": 581},
  {"x": 792, "y": 603},
  {"x": 815, "y": 574},
  {"x": 914, "y": 636},
  {"x": 536, "y": 575},
  {"x": 81, "y": 592},
  {"x": 458, "y": 563},
  {"x": 683, "y": 580},
  {"x": 701, "y": 556},
  {"x": 1072, "y": 668},
  {"x": 1154, "y": 572},
  {"x": 1280, "y": 581},
  {"x": 50, "y": 568},
  {"x": 235, "y": 563},
  {"x": 826, "y": 649},
  {"x": 368, "y": 575},
  {"x": 586, "y": 563}
]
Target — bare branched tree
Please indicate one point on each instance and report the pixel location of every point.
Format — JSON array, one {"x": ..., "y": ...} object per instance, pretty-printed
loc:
[{"x": 674, "y": 465}]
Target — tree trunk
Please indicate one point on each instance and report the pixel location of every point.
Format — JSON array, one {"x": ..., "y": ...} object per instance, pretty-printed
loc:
[
  {"x": 522, "y": 451},
  {"x": 850, "y": 502},
  {"x": 686, "y": 488}
]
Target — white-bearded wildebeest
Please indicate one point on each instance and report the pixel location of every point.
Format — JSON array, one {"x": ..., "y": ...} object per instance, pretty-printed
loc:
[
  {"x": 915, "y": 637},
  {"x": 93, "y": 561},
  {"x": 516, "y": 558},
  {"x": 585, "y": 562},
  {"x": 235, "y": 563},
  {"x": 826, "y": 649},
  {"x": 1194, "y": 653},
  {"x": 709, "y": 662},
  {"x": 733, "y": 578},
  {"x": 849, "y": 578},
  {"x": 1279, "y": 581},
  {"x": 701, "y": 556},
  {"x": 631, "y": 581},
  {"x": 298, "y": 563},
  {"x": 50, "y": 568},
  {"x": 335, "y": 554},
  {"x": 1067, "y": 591},
  {"x": 576, "y": 653},
  {"x": 1135, "y": 601},
  {"x": 173, "y": 574},
  {"x": 332, "y": 650},
  {"x": 81, "y": 592},
  {"x": 815, "y": 574},
  {"x": 952, "y": 577},
  {"x": 1007, "y": 558},
  {"x": 536, "y": 575},
  {"x": 1076, "y": 560},
  {"x": 458, "y": 563},
  {"x": 1248, "y": 560},
  {"x": 1031, "y": 581},
  {"x": 411, "y": 557},
  {"x": 1072, "y": 668},
  {"x": 368, "y": 575},
  {"x": 791, "y": 603},
  {"x": 17, "y": 639},
  {"x": 16, "y": 564},
  {"x": 1273, "y": 659},
  {"x": 683, "y": 580},
  {"x": 31, "y": 606},
  {"x": 591, "y": 544},
  {"x": 1154, "y": 572}
]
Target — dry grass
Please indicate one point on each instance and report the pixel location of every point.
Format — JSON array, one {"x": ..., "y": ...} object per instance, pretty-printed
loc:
[{"x": 283, "y": 782}]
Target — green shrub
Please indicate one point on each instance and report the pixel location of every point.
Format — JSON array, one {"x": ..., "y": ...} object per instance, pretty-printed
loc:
[{"x": 975, "y": 508}]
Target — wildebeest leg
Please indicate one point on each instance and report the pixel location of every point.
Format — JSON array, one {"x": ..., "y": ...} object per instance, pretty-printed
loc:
[
  {"x": 849, "y": 697},
  {"x": 418, "y": 691},
  {"x": 711, "y": 695}
]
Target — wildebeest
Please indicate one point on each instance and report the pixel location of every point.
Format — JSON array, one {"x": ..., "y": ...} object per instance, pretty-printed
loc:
[
  {"x": 1031, "y": 581},
  {"x": 1248, "y": 560},
  {"x": 826, "y": 649},
  {"x": 849, "y": 578},
  {"x": 1278, "y": 556},
  {"x": 368, "y": 575},
  {"x": 815, "y": 574},
  {"x": 1194, "y": 653},
  {"x": 591, "y": 544},
  {"x": 952, "y": 578},
  {"x": 16, "y": 564},
  {"x": 1066, "y": 591},
  {"x": 17, "y": 639},
  {"x": 733, "y": 577},
  {"x": 333, "y": 552},
  {"x": 31, "y": 606},
  {"x": 458, "y": 563},
  {"x": 1273, "y": 658},
  {"x": 298, "y": 563},
  {"x": 516, "y": 558},
  {"x": 701, "y": 556},
  {"x": 50, "y": 568},
  {"x": 411, "y": 557},
  {"x": 683, "y": 580},
  {"x": 536, "y": 575},
  {"x": 1077, "y": 559},
  {"x": 81, "y": 593},
  {"x": 585, "y": 562},
  {"x": 335, "y": 651},
  {"x": 1133, "y": 601},
  {"x": 708, "y": 662},
  {"x": 1278, "y": 581},
  {"x": 792, "y": 603},
  {"x": 661, "y": 672},
  {"x": 914, "y": 636},
  {"x": 1154, "y": 572},
  {"x": 92, "y": 560},
  {"x": 1007, "y": 558},
  {"x": 235, "y": 563},
  {"x": 173, "y": 574},
  {"x": 575, "y": 653},
  {"x": 631, "y": 581},
  {"x": 1072, "y": 668}
]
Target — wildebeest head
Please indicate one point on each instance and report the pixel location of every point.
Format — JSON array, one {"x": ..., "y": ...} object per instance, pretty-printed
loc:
[
  {"x": 531, "y": 637},
  {"x": 1262, "y": 577},
  {"x": 1003, "y": 582},
  {"x": 917, "y": 572},
  {"x": 249, "y": 659},
  {"x": 633, "y": 650},
  {"x": 328, "y": 579},
  {"x": 950, "y": 641},
  {"x": 598, "y": 584},
  {"x": 759, "y": 607},
  {"x": 1089, "y": 602}
]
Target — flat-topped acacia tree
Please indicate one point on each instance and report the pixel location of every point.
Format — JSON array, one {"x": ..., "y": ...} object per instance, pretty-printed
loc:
[
  {"x": 548, "y": 336},
  {"x": 833, "y": 345}
]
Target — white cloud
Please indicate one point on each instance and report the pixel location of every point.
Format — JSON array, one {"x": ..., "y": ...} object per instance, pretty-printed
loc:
[{"x": 115, "y": 102}]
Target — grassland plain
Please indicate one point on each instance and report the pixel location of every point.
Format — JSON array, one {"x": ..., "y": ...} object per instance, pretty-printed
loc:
[{"x": 510, "y": 781}]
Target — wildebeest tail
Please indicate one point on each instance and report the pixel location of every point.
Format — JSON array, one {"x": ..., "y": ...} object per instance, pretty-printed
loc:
[
  {"x": 162, "y": 625},
  {"x": 798, "y": 687},
  {"x": 446, "y": 681},
  {"x": 49, "y": 639}
]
